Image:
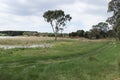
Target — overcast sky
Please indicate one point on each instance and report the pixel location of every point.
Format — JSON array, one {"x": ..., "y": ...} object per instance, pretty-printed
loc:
[{"x": 27, "y": 14}]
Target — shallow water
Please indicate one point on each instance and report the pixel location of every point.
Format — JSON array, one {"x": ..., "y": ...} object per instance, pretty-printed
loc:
[
  {"x": 3, "y": 37},
  {"x": 31, "y": 46}
]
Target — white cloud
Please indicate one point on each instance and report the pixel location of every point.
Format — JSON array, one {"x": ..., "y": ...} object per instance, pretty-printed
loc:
[
  {"x": 85, "y": 14},
  {"x": 27, "y": 14}
]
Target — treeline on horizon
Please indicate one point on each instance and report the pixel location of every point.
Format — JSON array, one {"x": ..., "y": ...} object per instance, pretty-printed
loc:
[
  {"x": 18, "y": 33},
  {"x": 31, "y": 33},
  {"x": 99, "y": 31}
]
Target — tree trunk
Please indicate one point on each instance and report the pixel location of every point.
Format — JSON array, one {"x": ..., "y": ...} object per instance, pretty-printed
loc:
[
  {"x": 55, "y": 36},
  {"x": 118, "y": 37}
]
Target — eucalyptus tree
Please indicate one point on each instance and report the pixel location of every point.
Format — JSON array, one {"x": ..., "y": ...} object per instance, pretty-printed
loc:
[
  {"x": 114, "y": 20},
  {"x": 57, "y": 19},
  {"x": 100, "y": 30}
]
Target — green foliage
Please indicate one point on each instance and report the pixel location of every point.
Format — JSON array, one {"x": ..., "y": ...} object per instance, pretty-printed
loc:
[
  {"x": 95, "y": 33},
  {"x": 1, "y": 34},
  {"x": 78, "y": 33},
  {"x": 100, "y": 30},
  {"x": 88, "y": 35},
  {"x": 28, "y": 33},
  {"x": 73, "y": 34},
  {"x": 114, "y": 20},
  {"x": 18, "y": 33},
  {"x": 57, "y": 19},
  {"x": 102, "y": 26}
]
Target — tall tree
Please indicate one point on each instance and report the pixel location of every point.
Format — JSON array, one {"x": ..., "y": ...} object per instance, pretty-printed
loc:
[
  {"x": 114, "y": 20},
  {"x": 95, "y": 33},
  {"x": 80, "y": 33},
  {"x": 100, "y": 30},
  {"x": 102, "y": 26},
  {"x": 57, "y": 19}
]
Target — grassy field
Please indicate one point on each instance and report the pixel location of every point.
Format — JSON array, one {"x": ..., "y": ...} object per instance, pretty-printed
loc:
[{"x": 68, "y": 59}]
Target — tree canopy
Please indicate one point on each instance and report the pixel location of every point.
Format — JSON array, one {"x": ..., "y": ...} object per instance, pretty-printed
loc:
[
  {"x": 57, "y": 19},
  {"x": 100, "y": 30},
  {"x": 114, "y": 20}
]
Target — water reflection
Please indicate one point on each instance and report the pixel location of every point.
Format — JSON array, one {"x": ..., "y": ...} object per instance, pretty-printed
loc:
[{"x": 31, "y": 46}]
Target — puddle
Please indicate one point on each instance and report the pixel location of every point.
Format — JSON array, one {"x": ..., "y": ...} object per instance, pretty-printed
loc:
[
  {"x": 31, "y": 46},
  {"x": 7, "y": 37}
]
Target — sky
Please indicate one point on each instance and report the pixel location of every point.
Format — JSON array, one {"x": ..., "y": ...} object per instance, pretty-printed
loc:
[{"x": 27, "y": 15}]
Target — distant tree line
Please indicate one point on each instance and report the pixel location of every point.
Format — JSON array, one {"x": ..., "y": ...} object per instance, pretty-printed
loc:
[
  {"x": 52, "y": 34},
  {"x": 101, "y": 30},
  {"x": 31, "y": 33},
  {"x": 98, "y": 31},
  {"x": 19, "y": 33}
]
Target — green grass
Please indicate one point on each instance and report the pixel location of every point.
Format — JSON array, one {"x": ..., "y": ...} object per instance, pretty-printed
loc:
[{"x": 66, "y": 60}]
